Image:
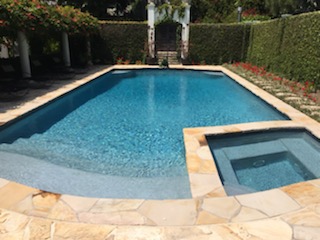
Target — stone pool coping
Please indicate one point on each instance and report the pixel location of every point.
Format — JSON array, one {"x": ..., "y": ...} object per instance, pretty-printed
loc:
[{"x": 288, "y": 212}]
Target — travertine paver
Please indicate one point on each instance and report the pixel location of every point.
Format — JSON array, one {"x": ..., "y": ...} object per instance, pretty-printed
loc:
[
  {"x": 79, "y": 204},
  {"x": 63, "y": 212},
  {"x": 170, "y": 212},
  {"x": 248, "y": 214},
  {"x": 303, "y": 233},
  {"x": 226, "y": 207},
  {"x": 273, "y": 202},
  {"x": 116, "y": 218},
  {"x": 12, "y": 193},
  {"x": 209, "y": 218},
  {"x": 305, "y": 217},
  {"x": 115, "y": 205},
  {"x": 203, "y": 184},
  {"x": 78, "y": 231},
  {"x": 311, "y": 193}
]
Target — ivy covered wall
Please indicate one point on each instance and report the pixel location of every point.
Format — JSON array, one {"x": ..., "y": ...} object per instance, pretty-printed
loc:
[
  {"x": 218, "y": 43},
  {"x": 126, "y": 40},
  {"x": 289, "y": 47}
]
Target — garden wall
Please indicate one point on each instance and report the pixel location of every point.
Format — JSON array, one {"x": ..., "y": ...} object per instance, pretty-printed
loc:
[
  {"x": 289, "y": 46},
  {"x": 125, "y": 40},
  {"x": 218, "y": 43}
]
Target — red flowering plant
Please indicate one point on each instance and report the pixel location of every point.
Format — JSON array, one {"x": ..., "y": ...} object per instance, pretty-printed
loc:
[
  {"x": 35, "y": 15},
  {"x": 73, "y": 21}
]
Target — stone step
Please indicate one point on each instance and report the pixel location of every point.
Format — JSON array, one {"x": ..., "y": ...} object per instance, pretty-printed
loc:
[{"x": 170, "y": 55}]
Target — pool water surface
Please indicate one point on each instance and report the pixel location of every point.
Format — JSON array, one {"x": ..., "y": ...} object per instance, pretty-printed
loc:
[{"x": 128, "y": 125}]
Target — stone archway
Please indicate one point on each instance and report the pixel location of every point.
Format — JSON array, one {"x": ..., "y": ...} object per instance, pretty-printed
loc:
[{"x": 154, "y": 15}]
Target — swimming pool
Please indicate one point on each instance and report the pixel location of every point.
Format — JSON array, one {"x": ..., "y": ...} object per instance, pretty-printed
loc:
[
  {"x": 261, "y": 160},
  {"x": 125, "y": 128}
]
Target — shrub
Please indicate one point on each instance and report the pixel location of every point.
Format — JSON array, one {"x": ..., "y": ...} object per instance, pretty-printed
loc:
[
  {"x": 289, "y": 47},
  {"x": 218, "y": 43},
  {"x": 125, "y": 40}
]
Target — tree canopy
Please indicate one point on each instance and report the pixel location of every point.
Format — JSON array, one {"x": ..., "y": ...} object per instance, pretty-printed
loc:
[{"x": 201, "y": 10}]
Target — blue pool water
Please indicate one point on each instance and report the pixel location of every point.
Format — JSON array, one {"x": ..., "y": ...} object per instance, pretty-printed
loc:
[
  {"x": 127, "y": 125},
  {"x": 257, "y": 161}
]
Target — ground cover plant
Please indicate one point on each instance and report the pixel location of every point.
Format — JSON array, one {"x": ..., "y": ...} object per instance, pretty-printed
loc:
[{"x": 303, "y": 96}]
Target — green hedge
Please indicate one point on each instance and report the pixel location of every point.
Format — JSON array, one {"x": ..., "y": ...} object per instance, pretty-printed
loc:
[
  {"x": 265, "y": 43},
  {"x": 289, "y": 47},
  {"x": 218, "y": 43},
  {"x": 125, "y": 40}
]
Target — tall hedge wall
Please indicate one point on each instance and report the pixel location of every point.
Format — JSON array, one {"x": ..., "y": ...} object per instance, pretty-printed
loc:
[
  {"x": 265, "y": 43},
  {"x": 121, "y": 40},
  {"x": 289, "y": 46},
  {"x": 218, "y": 43}
]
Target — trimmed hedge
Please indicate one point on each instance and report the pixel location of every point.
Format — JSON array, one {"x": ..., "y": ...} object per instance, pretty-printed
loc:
[
  {"x": 218, "y": 43},
  {"x": 289, "y": 47},
  {"x": 265, "y": 43},
  {"x": 125, "y": 40}
]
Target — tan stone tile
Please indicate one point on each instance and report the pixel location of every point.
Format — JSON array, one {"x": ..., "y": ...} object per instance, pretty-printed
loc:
[
  {"x": 204, "y": 232},
  {"x": 304, "y": 232},
  {"x": 138, "y": 233},
  {"x": 304, "y": 193},
  {"x": 11, "y": 222},
  {"x": 248, "y": 214},
  {"x": 44, "y": 201},
  {"x": 170, "y": 212},
  {"x": 263, "y": 229},
  {"x": 218, "y": 192},
  {"x": 202, "y": 140},
  {"x": 225, "y": 207},
  {"x": 79, "y": 204},
  {"x": 65, "y": 230},
  {"x": 62, "y": 211},
  {"x": 115, "y": 205},
  {"x": 114, "y": 218},
  {"x": 208, "y": 218},
  {"x": 13, "y": 193},
  {"x": 3, "y": 182},
  {"x": 39, "y": 228},
  {"x": 204, "y": 153},
  {"x": 193, "y": 162},
  {"x": 315, "y": 182},
  {"x": 24, "y": 206},
  {"x": 202, "y": 184},
  {"x": 208, "y": 166},
  {"x": 305, "y": 217},
  {"x": 191, "y": 145},
  {"x": 231, "y": 129},
  {"x": 273, "y": 202}
]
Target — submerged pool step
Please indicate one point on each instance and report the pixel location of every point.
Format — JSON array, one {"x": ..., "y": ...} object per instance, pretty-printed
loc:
[
  {"x": 304, "y": 151},
  {"x": 254, "y": 149}
]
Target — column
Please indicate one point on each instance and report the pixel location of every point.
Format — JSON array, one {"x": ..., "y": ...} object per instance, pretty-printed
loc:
[
  {"x": 151, "y": 29},
  {"x": 185, "y": 33},
  {"x": 65, "y": 49},
  {"x": 23, "y": 47}
]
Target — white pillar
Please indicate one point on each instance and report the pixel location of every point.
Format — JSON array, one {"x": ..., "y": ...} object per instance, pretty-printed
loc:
[
  {"x": 185, "y": 33},
  {"x": 23, "y": 47},
  {"x": 4, "y": 52},
  {"x": 65, "y": 49},
  {"x": 151, "y": 30}
]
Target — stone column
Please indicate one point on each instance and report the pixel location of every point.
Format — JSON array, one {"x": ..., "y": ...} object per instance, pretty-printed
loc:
[
  {"x": 65, "y": 49},
  {"x": 23, "y": 47},
  {"x": 151, "y": 29}
]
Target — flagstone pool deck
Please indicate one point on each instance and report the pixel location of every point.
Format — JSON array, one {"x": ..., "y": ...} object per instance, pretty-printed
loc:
[{"x": 290, "y": 212}]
